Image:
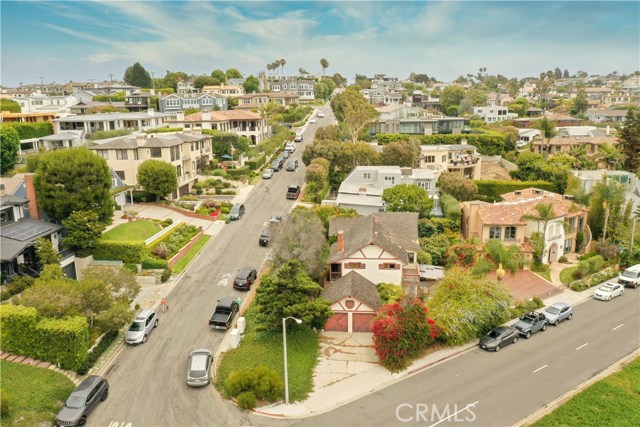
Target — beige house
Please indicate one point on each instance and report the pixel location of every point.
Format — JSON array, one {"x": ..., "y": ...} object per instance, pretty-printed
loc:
[
  {"x": 241, "y": 122},
  {"x": 504, "y": 221},
  {"x": 461, "y": 159},
  {"x": 184, "y": 151},
  {"x": 231, "y": 91},
  {"x": 255, "y": 100}
]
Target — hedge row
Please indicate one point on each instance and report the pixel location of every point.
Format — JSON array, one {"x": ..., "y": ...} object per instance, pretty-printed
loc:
[
  {"x": 129, "y": 252},
  {"x": 256, "y": 162},
  {"x": 493, "y": 189},
  {"x": 61, "y": 341},
  {"x": 154, "y": 264},
  {"x": 489, "y": 144},
  {"x": 244, "y": 170},
  {"x": 31, "y": 130},
  {"x": 97, "y": 351}
]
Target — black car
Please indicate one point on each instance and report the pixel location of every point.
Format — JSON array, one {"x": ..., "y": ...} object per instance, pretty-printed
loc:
[
  {"x": 222, "y": 317},
  {"x": 93, "y": 390},
  {"x": 498, "y": 338},
  {"x": 236, "y": 212},
  {"x": 245, "y": 278},
  {"x": 265, "y": 235}
]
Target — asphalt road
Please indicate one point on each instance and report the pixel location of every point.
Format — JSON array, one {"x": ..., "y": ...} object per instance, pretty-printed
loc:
[{"x": 148, "y": 382}]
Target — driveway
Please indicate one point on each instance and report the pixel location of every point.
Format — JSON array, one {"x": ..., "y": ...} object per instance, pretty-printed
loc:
[
  {"x": 525, "y": 285},
  {"x": 343, "y": 355}
]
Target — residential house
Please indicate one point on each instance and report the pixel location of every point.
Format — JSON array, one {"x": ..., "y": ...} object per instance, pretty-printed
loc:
[
  {"x": 494, "y": 113},
  {"x": 240, "y": 122},
  {"x": 461, "y": 159},
  {"x": 85, "y": 107},
  {"x": 425, "y": 100},
  {"x": 256, "y": 100},
  {"x": 39, "y": 103},
  {"x": 354, "y": 301},
  {"x": 143, "y": 120},
  {"x": 606, "y": 116},
  {"x": 563, "y": 142},
  {"x": 138, "y": 101},
  {"x": 202, "y": 101},
  {"x": 505, "y": 221},
  {"x": 526, "y": 136},
  {"x": 305, "y": 89},
  {"x": 6, "y": 116},
  {"x": 534, "y": 112},
  {"x": 229, "y": 90},
  {"x": 184, "y": 87},
  {"x": 419, "y": 125},
  {"x": 382, "y": 248},
  {"x": 362, "y": 188},
  {"x": 184, "y": 151},
  {"x": 629, "y": 180},
  {"x": 382, "y": 94},
  {"x": 558, "y": 121}
]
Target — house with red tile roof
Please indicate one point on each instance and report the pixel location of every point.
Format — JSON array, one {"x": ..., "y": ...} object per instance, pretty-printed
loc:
[
  {"x": 241, "y": 122},
  {"x": 505, "y": 221}
]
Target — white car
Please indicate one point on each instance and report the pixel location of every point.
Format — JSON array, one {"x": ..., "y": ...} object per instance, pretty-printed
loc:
[
  {"x": 312, "y": 120},
  {"x": 608, "y": 291}
]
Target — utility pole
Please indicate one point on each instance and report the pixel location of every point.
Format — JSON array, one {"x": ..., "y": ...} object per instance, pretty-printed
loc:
[
  {"x": 41, "y": 84},
  {"x": 111, "y": 78}
]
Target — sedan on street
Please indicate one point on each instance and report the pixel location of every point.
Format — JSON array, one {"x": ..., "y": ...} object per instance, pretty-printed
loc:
[
  {"x": 267, "y": 174},
  {"x": 499, "y": 337},
  {"x": 608, "y": 291},
  {"x": 557, "y": 312}
]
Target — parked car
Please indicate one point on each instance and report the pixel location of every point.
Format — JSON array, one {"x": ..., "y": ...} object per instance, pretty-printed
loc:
[
  {"x": 531, "y": 322},
  {"x": 608, "y": 291},
  {"x": 293, "y": 191},
  {"x": 630, "y": 277},
  {"x": 267, "y": 174},
  {"x": 222, "y": 316},
  {"x": 142, "y": 325},
  {"x": 320, "y": 114},
  {"x": 276, "y": 165},
  {"x": 292, "y": 165},
  {"x": 275, "y": 219},
  {"x": 236, "y": 211},
  {"x": 290, "y": 147},
  {"x": 498, "y": 338},
  {"x": 285, "y": 154},
  {"x": 245, "y": 278},
  {"x": 298, "y": 138},
  {"x": 312, "y": 120},
  {"x": 265, "y": 236},
  {"x": 199, "y": 368},
  {"x": 557, "y": 312},
  {"x": 93, "y": 390}
]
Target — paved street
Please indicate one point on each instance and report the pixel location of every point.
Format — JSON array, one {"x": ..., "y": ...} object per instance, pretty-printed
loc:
[{"x": 148, "y": 381}]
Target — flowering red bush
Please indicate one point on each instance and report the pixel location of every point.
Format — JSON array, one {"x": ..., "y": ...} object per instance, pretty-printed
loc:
[
  {"x": 401, "y": 333},
  {"x": 463, "y": 255}
]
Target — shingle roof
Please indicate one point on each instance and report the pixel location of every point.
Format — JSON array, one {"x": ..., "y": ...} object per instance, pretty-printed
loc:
[
  {"x": 221, "y": 116},
  {"x": 157, "y": 141},
  {"x": 396, "y": 232},
  {"x": 353, "y": 285}
]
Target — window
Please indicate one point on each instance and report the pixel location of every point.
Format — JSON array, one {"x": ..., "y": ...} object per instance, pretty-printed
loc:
[
  {"x": 389, "y": 266},
  {"x": 389, "y": 180},
  {"x": 444, "y": 159},
  {"x": 367, "y": 175},
  {"x": 121, "y": 154},
  {"x": 494, "y": 232},
  {"x": 175, "y": 153},
  {"x": 103, "y": 153},
  {"x": 430, "y": 159},
  {"x": 156, "y": 152},
  {"x": 354, "y": 265},
  {"x": 510, "y": 233},
  {"x": 135, "y": 154}
]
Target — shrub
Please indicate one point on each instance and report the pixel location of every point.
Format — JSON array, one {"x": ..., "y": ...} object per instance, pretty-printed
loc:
[
  {"x": 142, "y": 197},
  {"x": 482, "y": 267},
  {"x": 131, "y": 267},
  {"x": 607, "y": 250},
  {"x": 235, "y": 173},
  {"x": 389, "y": 292},
  {"x": 246, "y": 400},
  {"x": 563, "y": 259},
  {"x": 15, "y": 286},
  {"x": 5, "y": 403},
  {"x": 588, "y": 266},
  {"x": 167, "y": 222},
  {"x": 154, "y": 264},
  {"x": 463, "y": 255},
  {"x": 166, "y": 273},
  {"x": 450, "y": 208},
  {"x": 98, "y": 350},
  {"x": 593, "y": 280},
  {"x": 179, "y": 237},
  {"x": 130, "y": 252},
  {"x": 160, "y": 251},
  {"x": 262, "y": 381},
  {"x": 491, "y": 190},
  {"x": 256, "y": 162},
  {"x": 522, "y": 307}
]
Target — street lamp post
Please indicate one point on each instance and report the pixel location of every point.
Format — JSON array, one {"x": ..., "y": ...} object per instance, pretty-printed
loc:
[{"x": 286, "y": 371}]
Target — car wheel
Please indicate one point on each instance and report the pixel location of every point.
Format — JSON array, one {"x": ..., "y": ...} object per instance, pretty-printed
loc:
[
  {"x": 497, "y": 348},
  {"x": 82, "y": 421},
  {"x": 556, "y": 322},
  {"x": 570, "y": 316},
  {"x": 515, "y": 340},
  {"x": 621, "y": 292},
  {"x": 105, "y": 395},
  {"x": 610, "y": 298},
  {"x": 544, "y": 327},
  {"x": 155, "y": 325},
  {"x": 528, "y": 335},
  {"x": 144, "y": 338}
]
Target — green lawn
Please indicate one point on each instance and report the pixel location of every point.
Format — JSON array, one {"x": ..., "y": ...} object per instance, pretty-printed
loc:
[
  {"x": 182, "y": 264},
  {"x": 255, "y": 350},
  {"x": 132, "y": 231},
  {"x": 613, "y": 401},
  {"x": 36, "y": 395},
  {"x": 566, "y": 275}
]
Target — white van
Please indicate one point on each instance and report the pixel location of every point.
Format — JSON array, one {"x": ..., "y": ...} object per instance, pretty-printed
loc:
[{"x": 290, "y": 147}]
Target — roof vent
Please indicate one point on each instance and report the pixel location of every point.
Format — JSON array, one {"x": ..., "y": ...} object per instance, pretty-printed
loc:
[
  {"x": 568, "y": 197},
  {"x": 517, "y": 192},
  {"x": 538, "y": 191}
]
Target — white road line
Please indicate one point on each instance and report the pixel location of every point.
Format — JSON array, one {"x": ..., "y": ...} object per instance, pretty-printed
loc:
[
  {"x": 470, "y": 405},
  {"x": 583, "y": 345},
  {"x": 619, "y": 326},
  {"x": 539, "y": 369}
]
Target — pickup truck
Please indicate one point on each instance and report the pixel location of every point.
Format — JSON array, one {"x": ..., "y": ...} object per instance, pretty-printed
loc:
[
  {"x": 531, "y": 322},
  {"x": 222, "y": 317},
  {"x": 293, "y": 191}
]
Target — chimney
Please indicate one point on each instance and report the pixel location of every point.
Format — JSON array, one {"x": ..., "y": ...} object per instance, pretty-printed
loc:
[
  {"x": 206, "y": 116},
  {"x": 340, "y": 241},
  {"x": 151, "y": 112},
  {"x": 362, "y": 189},
  {"x": 140, "y": 139},
  {"x": 180, "y": 116},
  {"x": 34, "y": 210}
]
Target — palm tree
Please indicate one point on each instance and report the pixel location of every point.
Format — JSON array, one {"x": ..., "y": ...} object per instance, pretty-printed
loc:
[
  {"x": 269, "y": 68},
  {"x": 611, "y": 156},
  {"x": 544, "y": 214},
  {"x": 282, "y": 62},
  {"x": 325, "y": 64},
  {"x": 548, "y": 130}
]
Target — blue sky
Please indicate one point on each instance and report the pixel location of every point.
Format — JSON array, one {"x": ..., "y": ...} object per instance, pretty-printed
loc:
[{"x": 82, "y": 40}]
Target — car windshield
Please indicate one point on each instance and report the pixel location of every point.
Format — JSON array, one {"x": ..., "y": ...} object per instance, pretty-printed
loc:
[
  {"x": 606, "y": 288},
  {"x": 552, "y": 310},
  {"x": 235, "y": 209},
  {"x": 494, "y": 334},
  {"x": 630, "y": 274},
  {"x": 137, "y": 326},
  {"x": 74, "y": 402}
]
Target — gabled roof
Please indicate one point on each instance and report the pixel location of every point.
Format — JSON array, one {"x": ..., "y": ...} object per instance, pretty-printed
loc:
[
  {"x": 28, "y": 230},
  {"x": 395, "y": 232},
  {"x": 10, "y": 249},
  {"x": 353, "y": 285}
]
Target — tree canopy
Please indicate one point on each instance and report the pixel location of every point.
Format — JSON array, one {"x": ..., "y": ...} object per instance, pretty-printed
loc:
[
  {"x": 202, "y": 81},
  {"x": 233, "y": 73},
  {"x": 251, "y": 84},
  {"x": 9, "y": 147},
  {"x": 461, "y": 188},
  {"x": 407, "y": 198},
  {"x": 400, "y": 153},
  {"x": 136, "y": 75},
  {"x": 157, "y": 177},
  {"x": 9, "y": 105},
  {"x": 73, "y": 180},
  {"x": 451, "y": 96},
  {"x": 354, "y": 110},
  {"x": 83, "y": 229},
  {"x": 220, "y": 75},
  {"x": 630, "y": 140}
]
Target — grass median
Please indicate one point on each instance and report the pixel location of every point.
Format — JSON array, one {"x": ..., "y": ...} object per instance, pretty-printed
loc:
[
  {"x": 613, "y": 401},
  {"x": 35, "y": 395},
  {"x": 266, "y": 349}
]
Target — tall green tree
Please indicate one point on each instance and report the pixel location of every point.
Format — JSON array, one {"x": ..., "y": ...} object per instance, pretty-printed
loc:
[
  {"x": 83, "y": 229},
  {"x": 9, "y": 147},
  {"x": 611, "y": 155},
  {"x": 548, "y": 130},
  {"x": 251, "y": 84},
  {"x": 233, "y": 73},
  {"x": 605, "y": 196},
  {"x": 358, "y": 113},
  {"x": 220, "y": 75},
  {"x": 157, "y": 177},
  {"x": 202, "y": 81},
  {"x": 324, "y": 64},
  {"x": 630, "y": 140},
  {"x": 451, "y": 96},
  {"x": 461, "y": 188},
  {"x": 136, "y": 75},
  {"x": 338, "y": 79},
  {"x": 400, "y": 153},
  {"x": 73, "y": 180},
  {"x": 289, "y": 291},
  {"x": 46, "y": 253},
  {"x": 407, "y": 198},
  {"x": 580, "y": 103}
]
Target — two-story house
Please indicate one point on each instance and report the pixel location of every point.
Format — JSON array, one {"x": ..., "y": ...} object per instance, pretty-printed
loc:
[
  {"x": 606, "y": 116},
  {"x": 142, "y": 120},
  {"x": 505, "y": 221},
  {"x": 184, "y": 151},
  {"x": 425, "y": 101},
  {"x": 461, "y": 159},
  {"x": 138, "y": 101},
  {"x": 494, "y": 113},
  {"x": 230, "y": 90},
  {"x": 240, "y": 122},
  {"x": 252, "y": 101},
  {"x": 200, "y": 101},
  {"x": 305, "y": 89},
  {"x": 362, "y": 188}
]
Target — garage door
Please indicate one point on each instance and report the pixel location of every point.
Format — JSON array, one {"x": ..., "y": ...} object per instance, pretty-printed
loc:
[
  {"x": 363, "y": 322},
  {"x": 339, "y": 322}
]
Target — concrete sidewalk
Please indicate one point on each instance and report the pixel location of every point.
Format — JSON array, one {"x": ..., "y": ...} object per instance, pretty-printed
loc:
[{"x": 374, "y": 377}]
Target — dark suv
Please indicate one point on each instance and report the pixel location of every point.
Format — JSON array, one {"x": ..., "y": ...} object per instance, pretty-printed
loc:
[
  {"x": 245, "y": 278},
  {"x": 93, "y": 390}
]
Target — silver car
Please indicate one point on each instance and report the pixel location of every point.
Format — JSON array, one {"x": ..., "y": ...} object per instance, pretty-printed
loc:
[
  {"x": 608, "y": 291},
  {"x": 558, "y": 312},
  {"x": 199, "y": 368},
  {"x": 267, "y": 174},
  {"x": 141, "y": 327}
]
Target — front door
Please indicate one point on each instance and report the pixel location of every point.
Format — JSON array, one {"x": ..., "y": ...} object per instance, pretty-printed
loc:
[{"x": 553, "y": 253}]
